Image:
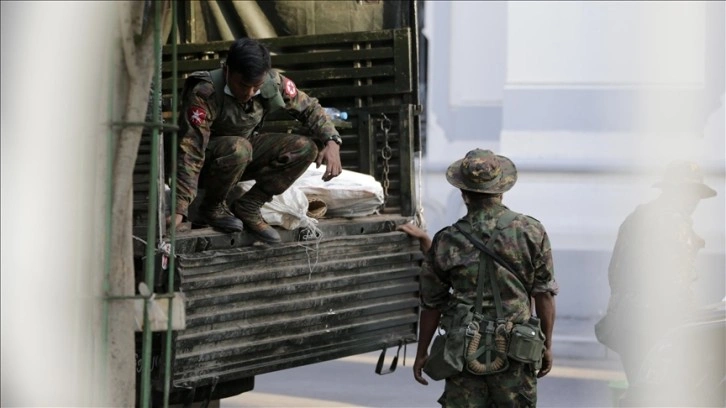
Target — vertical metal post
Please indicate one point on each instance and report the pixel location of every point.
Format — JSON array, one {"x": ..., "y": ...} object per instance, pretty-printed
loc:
[
  {"x": 110, "y": 151},
  {"x": 172, "y": 228},
  {"x": 152, "y": 211}
]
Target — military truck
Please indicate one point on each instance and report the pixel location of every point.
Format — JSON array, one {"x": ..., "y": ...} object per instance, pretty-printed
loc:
[{"x": 251, "y": 308}]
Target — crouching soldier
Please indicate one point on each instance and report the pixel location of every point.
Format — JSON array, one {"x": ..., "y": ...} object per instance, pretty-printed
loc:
[{"x": 219, "y": 145}]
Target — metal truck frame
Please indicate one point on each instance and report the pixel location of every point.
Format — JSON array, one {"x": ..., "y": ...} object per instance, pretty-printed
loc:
[{"x": 251, "y": 308}]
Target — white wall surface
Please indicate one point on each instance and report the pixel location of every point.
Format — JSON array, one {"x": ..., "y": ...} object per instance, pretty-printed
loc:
[
  {"x": 605, "y": 42},
  {"x": 597, "y": 98}
]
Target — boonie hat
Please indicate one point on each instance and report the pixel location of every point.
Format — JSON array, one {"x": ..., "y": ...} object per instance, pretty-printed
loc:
[
  {"x": 683, "y": 175},
  {"x": 482, "y": 171}
]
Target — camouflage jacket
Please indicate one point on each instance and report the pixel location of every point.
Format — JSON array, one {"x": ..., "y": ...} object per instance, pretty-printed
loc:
[
  {"x": 203, "y": 117},
  {"x": 653, "y": 261},
  {"x": 451, "y": 267}
]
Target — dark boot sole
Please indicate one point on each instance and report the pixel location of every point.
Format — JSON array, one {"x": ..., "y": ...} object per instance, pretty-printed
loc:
[
  {"x": 263, "y": 238},
  {"x": 225, "y": 227}
]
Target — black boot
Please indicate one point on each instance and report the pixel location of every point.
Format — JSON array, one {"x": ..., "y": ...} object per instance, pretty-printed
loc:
[
  {"x": 247, "y": 209},
  {"x": 218, "y": 216}
]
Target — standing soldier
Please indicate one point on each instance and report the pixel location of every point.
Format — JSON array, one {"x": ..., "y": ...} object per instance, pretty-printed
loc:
[
  {"x": 652, "y": 268},
  {"x": 220, "y": 144},
  {"x": 450, "y": 278}
]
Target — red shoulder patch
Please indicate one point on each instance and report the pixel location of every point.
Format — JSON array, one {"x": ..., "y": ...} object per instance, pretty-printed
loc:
[
  {"x": 196, "y": 115},
  {"x": 289, "y": 87}
]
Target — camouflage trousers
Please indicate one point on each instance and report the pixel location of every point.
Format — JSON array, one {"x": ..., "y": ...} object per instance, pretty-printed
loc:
[
  {"x": 516, "y": 387},
  {"x": 273, "y": 160}
]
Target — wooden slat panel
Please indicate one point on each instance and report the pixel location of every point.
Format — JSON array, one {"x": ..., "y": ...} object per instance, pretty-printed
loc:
[
  {"x": 201, "y": 48},
  {"x": 327, "y": 39},
  {"x": 363, "y": 90},
  {"x": 340, "y": 73},
  {"x": 332, "y": 57},
  {"x": 184, "y": 66},
  {"x": 189, "y": 66},
  {"x": 304, "y": 76},
  {"x": 289, "y": 41}
]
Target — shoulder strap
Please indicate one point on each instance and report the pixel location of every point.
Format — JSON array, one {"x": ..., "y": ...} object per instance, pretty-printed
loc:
[
  {"x": 502, "y": 224},
  {"x": 270, "y": 92},
  {"x": 218, "y": 81},
  {"x": 485, "y": 262}
]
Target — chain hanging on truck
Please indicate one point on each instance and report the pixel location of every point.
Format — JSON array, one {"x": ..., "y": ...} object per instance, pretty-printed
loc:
[{"x": 386, "y": 154}]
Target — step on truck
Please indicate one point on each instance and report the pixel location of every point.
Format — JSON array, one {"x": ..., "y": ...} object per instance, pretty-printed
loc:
[{"x": 244, "y": 308}]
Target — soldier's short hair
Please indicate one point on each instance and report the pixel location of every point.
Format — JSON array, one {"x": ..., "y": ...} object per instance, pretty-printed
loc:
[{"x": 248, "y": 57}]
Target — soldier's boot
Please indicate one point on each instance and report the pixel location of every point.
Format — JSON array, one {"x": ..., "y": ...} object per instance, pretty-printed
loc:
[
  {"x": 217, "y": 215},
  {"x": 247, "y": 209}
]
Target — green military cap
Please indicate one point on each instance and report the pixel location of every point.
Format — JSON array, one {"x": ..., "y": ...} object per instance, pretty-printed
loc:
[
  {"x": 685, "y": 175},
  {"x": 482, "y": 171}
]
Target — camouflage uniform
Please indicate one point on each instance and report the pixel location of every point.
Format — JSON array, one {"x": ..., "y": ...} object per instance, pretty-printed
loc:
[
  {"x": 650, "y": 273},
  {"x": 219, "y": 144},
  {"x": 453, "y": 263},
  {"x": 653, "y": 265}
]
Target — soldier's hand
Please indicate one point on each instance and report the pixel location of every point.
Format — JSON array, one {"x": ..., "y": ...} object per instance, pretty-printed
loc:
[
  {"x": 416, "y": 232},
  {"x": 546, "y": 364},
  {"x": 418, "y": 369},
  {"x": 330, "y": 156}
]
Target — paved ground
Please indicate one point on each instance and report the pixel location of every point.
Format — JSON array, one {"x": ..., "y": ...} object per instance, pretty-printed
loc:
[{"x": 585, "y": 375}]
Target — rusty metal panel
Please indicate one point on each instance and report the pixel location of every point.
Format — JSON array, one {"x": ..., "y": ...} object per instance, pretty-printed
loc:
[{"x": 256, "y": 309}]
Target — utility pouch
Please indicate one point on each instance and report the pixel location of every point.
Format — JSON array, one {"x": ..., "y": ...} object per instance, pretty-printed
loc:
[
  {"x": 526, "y": 343},
  {"x": 446, "y": 357}
]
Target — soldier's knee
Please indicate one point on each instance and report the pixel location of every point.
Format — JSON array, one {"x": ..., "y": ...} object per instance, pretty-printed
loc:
[
  {"x": 240, "y": 154},
  {"x": 304, "y": 149},
  {"x": 243, "y": 150}
]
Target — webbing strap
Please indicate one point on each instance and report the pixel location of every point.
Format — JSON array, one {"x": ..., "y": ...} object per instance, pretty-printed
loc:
[
  {"x": 485, "y": 262},
  {"x": 218, "y": 81}
]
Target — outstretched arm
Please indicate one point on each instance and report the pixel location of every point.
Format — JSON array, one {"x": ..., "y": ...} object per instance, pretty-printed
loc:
[{"x": 416, "y": 232}]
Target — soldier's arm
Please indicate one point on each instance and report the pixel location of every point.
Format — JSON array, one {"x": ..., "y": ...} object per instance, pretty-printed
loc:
[
  {"x": 416, "y": 232},
  {"x": 428, "y": 322},
  {"x": 307, "y": 110},
  {"x": 434, "y": 295},
  {"x": 544, "y": 304},
  {"x": 195, "y": 119},
  {"x": 544, "y": 291}
]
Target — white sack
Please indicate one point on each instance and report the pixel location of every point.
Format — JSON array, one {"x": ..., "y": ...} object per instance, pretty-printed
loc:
[
  {"x": 288, "y": 210},
  {"x": 351, "y": 194}
]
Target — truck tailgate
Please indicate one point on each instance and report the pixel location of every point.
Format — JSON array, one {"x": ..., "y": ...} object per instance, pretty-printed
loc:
[{"x": 256, "y": 309}]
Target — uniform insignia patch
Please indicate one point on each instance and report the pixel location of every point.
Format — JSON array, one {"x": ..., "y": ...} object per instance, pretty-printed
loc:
[
  {"x": 196, "y": 115},
  {"x": 290, "y": 88}
]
